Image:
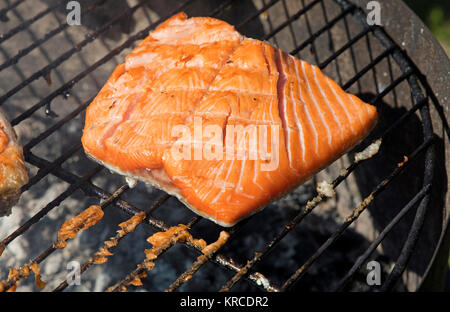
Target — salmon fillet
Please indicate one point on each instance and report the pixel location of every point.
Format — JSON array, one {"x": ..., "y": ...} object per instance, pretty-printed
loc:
[
  {"x": 225, "y": 123},
  {"x": 13, "y": 174}
]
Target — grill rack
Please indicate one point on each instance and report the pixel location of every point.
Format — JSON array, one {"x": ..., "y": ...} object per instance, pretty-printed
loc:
[{"x": 409, "y": 74}]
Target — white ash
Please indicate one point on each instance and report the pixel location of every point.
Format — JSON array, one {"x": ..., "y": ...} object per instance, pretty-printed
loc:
[
  {"x": 325, "y": 189},
  {"x": 131, "y": 182},
  {"x": 369, "y": 151},
  {"x": 262, "y": 280}
]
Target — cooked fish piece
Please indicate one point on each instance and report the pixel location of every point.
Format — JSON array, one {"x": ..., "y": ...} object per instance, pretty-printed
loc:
[
  {"x": 225, "y": 123},
  {"x": 13, "y": 174}
]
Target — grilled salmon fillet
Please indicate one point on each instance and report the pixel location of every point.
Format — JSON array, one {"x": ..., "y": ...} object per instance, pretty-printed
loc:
[
  {"x": 223, "y": 122},
  {"x": 13, "y": 174}
]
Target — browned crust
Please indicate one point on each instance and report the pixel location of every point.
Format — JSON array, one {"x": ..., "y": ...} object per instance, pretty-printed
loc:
[{"x": 8, "y": 196}]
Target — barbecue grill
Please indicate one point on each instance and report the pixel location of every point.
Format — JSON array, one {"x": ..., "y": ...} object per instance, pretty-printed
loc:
[{"x": 389, "y": 208}]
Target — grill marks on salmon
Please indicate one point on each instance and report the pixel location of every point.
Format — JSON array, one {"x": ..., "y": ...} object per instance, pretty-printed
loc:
[{"x": 201, "y": 69}]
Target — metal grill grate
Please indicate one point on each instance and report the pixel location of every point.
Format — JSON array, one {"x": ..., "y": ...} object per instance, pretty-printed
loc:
[{"x": 282, "y": 24}]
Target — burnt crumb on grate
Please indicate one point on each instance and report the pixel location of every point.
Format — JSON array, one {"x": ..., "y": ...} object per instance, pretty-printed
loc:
[
  {"x": 16, "y": 275},
  {"x": 160, "y": 241},
  {"x": 208, "y": 251},
  {"x": 89, "y": 217}
]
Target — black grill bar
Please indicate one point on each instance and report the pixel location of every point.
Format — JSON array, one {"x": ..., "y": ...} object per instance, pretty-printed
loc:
[
  {"x": 92, "y": 190},
  {"x": 52, "y": 248},
  {"x": 79, "y": 77},
  {"x": 89, "y": 188},
  {"x": 220, "y": 259},
  {"x": 90, "y": 262},
  {"x": 344, "y": 48},
  {"x": 257, "y": 13},
  {"x": 67, "y": 86},
  {"x": 29, "y": 22},
  {"x": 355, "y": 214},
  {"x": 64, "y": 57},
  {"x": 391, "y": 87},
  {"x": 368, "y": 67},
  {"x": 33, "y": 142},
  {"x": 140, "y": 268},
  {"x": 221, "y": 7},
  {"x": 46, "y": 170},
  {"x": 405, "y": 64},
  {"x": 291, "y": 19},
  {"x": 254, "y": 278},
  {"x": 328, "y": 26},
  {"x": 4, "y": 11},
  {"x": 74, "y": 113},
  {"x": 407, "y": 208},
  {"x": 34, "y": 219},
  {"x": 39, "y": 175},
  {"x": 416, "y": 227},
  {"x": 399, "y": 121},
  {"x": 407, "y": 73},
  {"x": 316, "y": 200},
  {"x": 35, "y": 44}
]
